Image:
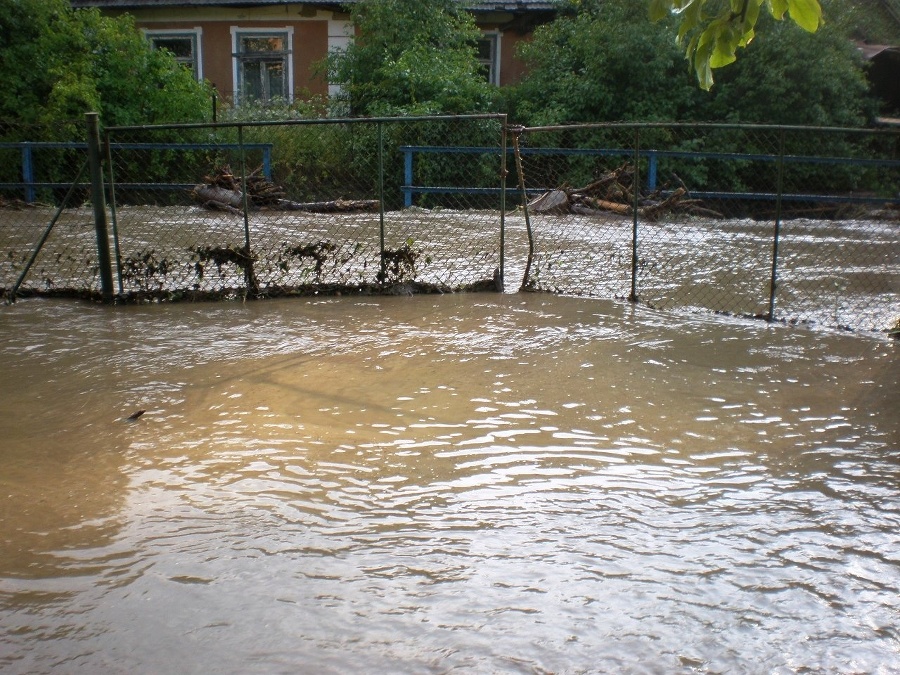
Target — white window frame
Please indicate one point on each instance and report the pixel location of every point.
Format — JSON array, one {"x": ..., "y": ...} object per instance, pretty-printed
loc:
[
  {"x": 196, "y": 36},
  {"x": 340, "y": 37},
  {"x": 493, "y": 61},
  {"x": 238, "y": 32}
]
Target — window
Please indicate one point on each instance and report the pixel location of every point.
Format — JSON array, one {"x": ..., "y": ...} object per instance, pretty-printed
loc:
[
  {"x": 488, "y": 52},
  {"x": 183, "y": 44},
  {"x": 340, "y": 37},
  {"x": 262, "y": 65}
]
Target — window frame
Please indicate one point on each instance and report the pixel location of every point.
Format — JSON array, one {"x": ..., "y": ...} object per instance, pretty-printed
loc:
[
  {"x": 238, "y": 33},
  {"x": 493, "y": 37},
  {"x": 196, "y": 37}
]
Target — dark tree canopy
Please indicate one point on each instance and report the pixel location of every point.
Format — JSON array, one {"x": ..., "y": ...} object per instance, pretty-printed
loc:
[
  {"x": 57, "y": 63},
  {"x": 713, "y": 30},
  {"x": 601, "y": 60}
]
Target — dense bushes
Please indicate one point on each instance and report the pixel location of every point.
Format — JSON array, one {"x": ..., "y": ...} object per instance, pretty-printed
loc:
[
  {"x": 57, "y": 63},
  {"x": 410, "y": 57},
  {"x": 601, "y": 60}
]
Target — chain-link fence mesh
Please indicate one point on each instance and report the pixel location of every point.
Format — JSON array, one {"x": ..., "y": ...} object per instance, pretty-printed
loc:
[
  {"x": 793, "y": 224},
  {"x": 307, "y": 206},
  {"x": 47, "y": 240}
]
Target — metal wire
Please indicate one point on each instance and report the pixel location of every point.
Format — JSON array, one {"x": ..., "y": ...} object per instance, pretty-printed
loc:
[
  {"x": 788, "y": 224},
  {"x": 784, "y": 223}
]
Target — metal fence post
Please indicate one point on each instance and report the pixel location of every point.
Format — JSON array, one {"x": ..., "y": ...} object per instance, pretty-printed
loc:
[
  {"x": 28, "y": 173},
  {"x": 635, "y": 187},
  {"x": 98, "y": 200},
  {"x": 251, "y": 287},
  {"x": 651, "y": 170},
  {"x": 112, "y": 210},
  {"x": 382, "y": 274},
  {"x": 526, "y": 281},
  {"x": 407, "y": 176},
  {"x": 776, "y": 235},
  {"x": 503, "y": 173}
]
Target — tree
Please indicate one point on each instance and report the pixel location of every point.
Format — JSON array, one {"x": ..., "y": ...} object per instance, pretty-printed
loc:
[
  {"x": 714, "y": 38},
  {"x": 57, "y": 63},
  {"x": 601, "y": 60},
  {"x": 791, "y": 77},
  {"x": 411, "y": 56}
]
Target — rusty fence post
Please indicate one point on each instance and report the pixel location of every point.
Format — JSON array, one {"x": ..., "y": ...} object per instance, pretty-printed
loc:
[{"x": 98, "y": 200}]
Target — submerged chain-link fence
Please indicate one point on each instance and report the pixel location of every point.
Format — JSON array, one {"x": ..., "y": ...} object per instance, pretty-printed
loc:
[
  {"x": 47, "y": 236},
  {"x": 793, "y": 224},
  {"x": 789, "y": 224},
  {"x": 302, "y": 207},
  {"x": 272, "y": 208}
]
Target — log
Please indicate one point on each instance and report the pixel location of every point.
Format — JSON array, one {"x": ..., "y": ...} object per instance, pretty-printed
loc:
[
  {"x": 582, "y": 210},
  {"x": 223, "y": 192},
  {"x": 665, "y": 205},
  {"x": 334, "y": 206},
  {"x": 613, "y": 192},
  {"x": 220, "y": 195},
  {"x": 623, "y": 175},
  {"x": 615, "y": 207},
  {"x": 219, "y": 206},
  {"x": 552, "y": 202}
]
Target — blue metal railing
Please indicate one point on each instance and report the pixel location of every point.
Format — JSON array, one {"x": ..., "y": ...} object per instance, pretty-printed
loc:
[
  {"x": 30, "y": 186},
  {"x": 409, "y": 187}
]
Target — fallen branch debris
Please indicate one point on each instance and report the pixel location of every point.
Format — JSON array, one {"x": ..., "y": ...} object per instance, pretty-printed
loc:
[
  {"x": 613, "y": 193},
  {"x": 224, "y": 192}
]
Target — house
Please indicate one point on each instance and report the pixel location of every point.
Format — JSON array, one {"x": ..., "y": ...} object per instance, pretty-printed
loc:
[
  {"x": 884, "y": 65},
  {"x": 266, "y": 49}
]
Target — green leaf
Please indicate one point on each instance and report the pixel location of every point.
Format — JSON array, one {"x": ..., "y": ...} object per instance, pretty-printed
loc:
[
  {"x": 806, "y": 13},
  {"x": 693, "y": 14},
  {"x": 702, "y": 56},
  {"x": 723, "y": 51},
  {"x": 778, "y": 8},
  {"x": 747, "y": 38},
  {"x": 750, "y": 17},
  {"x": 659, "y": 9}
]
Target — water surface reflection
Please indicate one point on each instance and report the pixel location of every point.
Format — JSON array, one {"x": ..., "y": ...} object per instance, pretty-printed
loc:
[{"x": 473, "y": 483}]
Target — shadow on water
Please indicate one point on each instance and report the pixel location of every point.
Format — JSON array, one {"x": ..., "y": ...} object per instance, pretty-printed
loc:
[{"x": 473, "y": 483}]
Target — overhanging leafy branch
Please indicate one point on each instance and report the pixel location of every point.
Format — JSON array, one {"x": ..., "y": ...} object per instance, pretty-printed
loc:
[{"x": 713, "y": 31}]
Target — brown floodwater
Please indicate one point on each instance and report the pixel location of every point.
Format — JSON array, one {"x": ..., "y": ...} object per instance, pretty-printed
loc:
[{"x": 459, "y": 483}]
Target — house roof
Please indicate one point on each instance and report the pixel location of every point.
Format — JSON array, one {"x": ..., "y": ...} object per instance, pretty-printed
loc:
[
  {"x": 869, "y": 52},
  {"x": 496, "y": 5}
]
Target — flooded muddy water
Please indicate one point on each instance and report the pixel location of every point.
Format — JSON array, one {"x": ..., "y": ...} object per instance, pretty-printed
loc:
[{"x": 459, "y": 483}]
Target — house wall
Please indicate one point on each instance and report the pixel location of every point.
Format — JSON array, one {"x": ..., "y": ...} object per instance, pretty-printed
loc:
[
  {"x": 514, "y": 28},
  {"x": 315, "y": 31},
  {"x": 310, "y": 39},
  {"x": 511, "y": 68}
]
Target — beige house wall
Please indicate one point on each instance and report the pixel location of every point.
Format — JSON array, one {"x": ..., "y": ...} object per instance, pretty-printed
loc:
[
  {"x": 310, "y": 29},
  {"x": 314, "y": 32}
]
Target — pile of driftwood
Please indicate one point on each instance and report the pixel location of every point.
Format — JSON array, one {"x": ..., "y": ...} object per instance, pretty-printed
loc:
[
  {"x": 15, "y": 204},
  {"x": 613, "y": 193},
  {"x": 224, "y": 192}
]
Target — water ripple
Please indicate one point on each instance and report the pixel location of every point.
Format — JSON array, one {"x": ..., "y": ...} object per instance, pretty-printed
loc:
[{"x": 427, "y": 485}]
